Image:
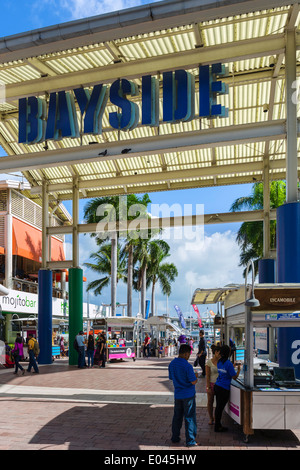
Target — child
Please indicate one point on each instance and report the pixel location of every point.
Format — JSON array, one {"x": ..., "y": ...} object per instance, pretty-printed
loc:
[
  {"x": 160, "y": 350},
  {"x": 184, "y": 379}
]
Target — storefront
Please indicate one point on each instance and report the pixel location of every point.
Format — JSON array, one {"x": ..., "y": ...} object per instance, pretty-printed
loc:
[{"x": 258, "y": 398}]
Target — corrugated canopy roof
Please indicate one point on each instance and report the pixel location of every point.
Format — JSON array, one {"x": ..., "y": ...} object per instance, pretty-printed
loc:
[
  {"x": 248, "y": 36},
  {"x": 213, "y": 295}
]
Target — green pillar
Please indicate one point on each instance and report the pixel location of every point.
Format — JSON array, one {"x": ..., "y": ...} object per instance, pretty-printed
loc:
[{"x": 75, "y": 310}]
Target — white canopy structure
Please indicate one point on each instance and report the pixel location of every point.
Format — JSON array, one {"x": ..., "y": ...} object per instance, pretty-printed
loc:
[{"x": 250, "y": 37}]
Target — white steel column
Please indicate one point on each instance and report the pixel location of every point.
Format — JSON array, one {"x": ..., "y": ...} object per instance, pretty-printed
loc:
[
  {"x": 75, "y": 238},
  {"x": 8, "y": 243},
  {"x": 291, "y": 117},
  {"x": 266, "y": 195},
  {"x": 45, "y": 223}
]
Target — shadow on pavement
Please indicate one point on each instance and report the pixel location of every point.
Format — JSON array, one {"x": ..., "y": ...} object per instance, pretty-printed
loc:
[{"x": 143, "y": 427}]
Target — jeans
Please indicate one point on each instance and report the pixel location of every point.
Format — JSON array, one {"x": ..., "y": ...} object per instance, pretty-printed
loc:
[
  {"x": 201, "y": 361},
  {"x": 222, "y": 397},
  {"x": 32, "y": 362},
  {"x": 90, "y": 355},
  {"x": 17, "y": 363},
  {"x": 81, "y": 356},
  {"x": 185, "y": 408}
]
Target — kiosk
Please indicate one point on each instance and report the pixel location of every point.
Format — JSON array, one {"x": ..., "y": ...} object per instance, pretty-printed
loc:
[
  {"x": 119, "y": 334},
  {"x": 258, "y": 399}
]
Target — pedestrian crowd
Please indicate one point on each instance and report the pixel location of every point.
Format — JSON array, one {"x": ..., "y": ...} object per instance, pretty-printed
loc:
[
  {"x": 95, "y": 350},
  {"x": 218, "y": 372},
  {"x": 14, "y": 356}
]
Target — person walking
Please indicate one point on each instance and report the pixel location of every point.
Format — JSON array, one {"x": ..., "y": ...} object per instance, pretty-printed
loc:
[
  {"x": 211, "y": 377},
  {"x": 90, "y": 350},
  {"x": 201, "y": 355},
  {"x": 33, "y": 353},
  {"x": 81, "y": 350},
  {"x": 184, "y": 380},
  {"x": 146, "y": 346},
  {"x": 62, "y": 346},
  {"x": 17, "y": 353},
  {"x": 181, "y": 340},
  {"x": 226, "y": 373},
  {"x": 102, "y": 351}
]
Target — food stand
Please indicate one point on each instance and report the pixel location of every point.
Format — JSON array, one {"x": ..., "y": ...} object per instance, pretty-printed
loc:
[
  {"x": 257, "y": 399},
  {"x": 119, "y": 334}
]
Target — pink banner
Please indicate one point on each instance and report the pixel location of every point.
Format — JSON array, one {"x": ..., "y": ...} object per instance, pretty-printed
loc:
[{"x": 198, "y": 315}]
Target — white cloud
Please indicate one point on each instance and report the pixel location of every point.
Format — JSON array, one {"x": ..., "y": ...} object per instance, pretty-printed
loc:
[
  {"x": 214, "y": 264},
  {"x": 77, "y": 9}
]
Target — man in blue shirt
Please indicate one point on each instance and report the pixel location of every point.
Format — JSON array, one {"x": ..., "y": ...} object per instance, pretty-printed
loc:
[
  {"x": 184, "y": 379},
  {"x": 81, "y": 350}
]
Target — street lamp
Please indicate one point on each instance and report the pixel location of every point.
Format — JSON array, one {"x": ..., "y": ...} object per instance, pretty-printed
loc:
[{"x": 249, "y": 304}]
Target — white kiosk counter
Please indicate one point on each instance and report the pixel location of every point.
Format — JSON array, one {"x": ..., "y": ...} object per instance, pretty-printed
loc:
[{"x": 257, "y": 399}]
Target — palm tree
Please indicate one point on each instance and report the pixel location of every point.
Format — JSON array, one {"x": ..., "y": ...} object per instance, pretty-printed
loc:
[
  {"x": 103, "y": 265},
  {"x": 160, "y": 272},
  {"x": 250, "y": 235},
  {"x": 141, "y": 258},
  {"x": 114, "y": 209},
  {"x": 148, "y": 257}
]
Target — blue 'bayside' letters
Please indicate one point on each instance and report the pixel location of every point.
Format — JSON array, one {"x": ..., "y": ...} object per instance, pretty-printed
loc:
[
  {"x": 178, "y": 105},
  {"x": 129, "y": 117}
]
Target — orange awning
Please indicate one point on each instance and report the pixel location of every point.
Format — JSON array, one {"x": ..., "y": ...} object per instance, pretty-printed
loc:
[{"x": 27, "y": 243}]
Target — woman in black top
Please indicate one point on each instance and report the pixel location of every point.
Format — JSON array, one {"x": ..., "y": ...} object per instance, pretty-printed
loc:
[
  {"x": 90, "y": 351},
  {"x": 102, "y": 350}
]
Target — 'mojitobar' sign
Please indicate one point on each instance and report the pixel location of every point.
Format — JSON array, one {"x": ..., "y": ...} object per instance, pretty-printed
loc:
[{"x": 40, "y": 120}]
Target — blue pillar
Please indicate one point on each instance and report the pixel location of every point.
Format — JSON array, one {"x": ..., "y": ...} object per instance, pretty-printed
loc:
[
  {"x": 288, "y": 271},
  {"x": 45, "y": 316},
  {"x": 266, "y": 271}
]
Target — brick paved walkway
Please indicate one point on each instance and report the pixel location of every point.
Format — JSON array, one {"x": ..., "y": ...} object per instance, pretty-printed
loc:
[{"x": 127, "y": 406}]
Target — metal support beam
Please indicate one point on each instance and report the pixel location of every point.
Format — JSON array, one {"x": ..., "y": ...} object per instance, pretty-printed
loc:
[
  {"x": 164, "y": 222},
  {"x": 228, "y": 135},
  {"x": 212, "y": 171},
  {"x": 225, "y": 53}
]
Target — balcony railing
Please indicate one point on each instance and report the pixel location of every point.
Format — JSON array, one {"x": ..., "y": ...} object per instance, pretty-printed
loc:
[{"x": 32, "y": 287}]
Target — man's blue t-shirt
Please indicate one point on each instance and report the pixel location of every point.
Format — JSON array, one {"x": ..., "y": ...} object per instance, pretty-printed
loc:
[
  {"x": 226, "y": 372},
  {"x": 80, "y": 341},
  {"x": 182, "y": 374}
]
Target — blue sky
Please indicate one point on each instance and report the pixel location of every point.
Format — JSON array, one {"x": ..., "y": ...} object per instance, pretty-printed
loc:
[{"x": 216, "y": 262}]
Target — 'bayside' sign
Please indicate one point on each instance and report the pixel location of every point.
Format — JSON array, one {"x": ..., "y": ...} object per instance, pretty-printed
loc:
[{"x": 37, "y": 123}]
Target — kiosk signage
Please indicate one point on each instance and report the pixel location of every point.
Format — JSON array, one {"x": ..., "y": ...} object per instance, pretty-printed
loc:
[{"x": 277, "y": 300}]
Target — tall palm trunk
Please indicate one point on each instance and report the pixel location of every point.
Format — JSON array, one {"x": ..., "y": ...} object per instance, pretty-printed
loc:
[
  {"x": 153, "y": 299},
  {"x": 114, "y": 261},
  {"x": 129, "y": 280},
  {"x": 143, "y": 292}
]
